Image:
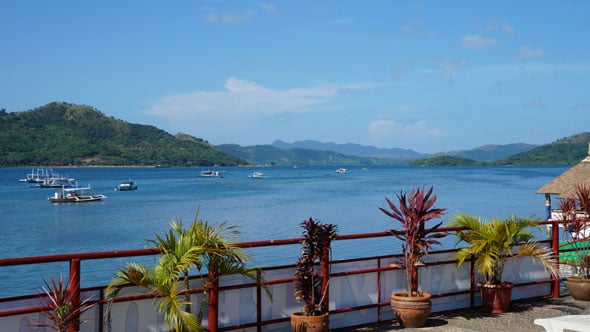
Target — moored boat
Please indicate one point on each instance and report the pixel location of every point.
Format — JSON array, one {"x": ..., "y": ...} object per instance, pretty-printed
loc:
[
  {"x": 257, "y": 175},
  {"x": 126, "y": 186},
  {"x": 75, "y": 195},
  {"x": 341, "y": 171},
  {"x": 210, "y": 174},
  {"x": 61, "y": 182},
  {"x": 41, "y": 175}
]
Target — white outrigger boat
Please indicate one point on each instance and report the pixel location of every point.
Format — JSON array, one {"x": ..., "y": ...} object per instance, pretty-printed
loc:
[{"x": 75, "y": 195}]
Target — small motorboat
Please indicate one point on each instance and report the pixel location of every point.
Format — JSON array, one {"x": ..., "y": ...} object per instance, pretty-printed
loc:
[
  {"x": 126, "y": 186},
  {"x": 341, "y": 171},
  {"x": 210, "y": 174},
  {"x": 257, "y": 175}
]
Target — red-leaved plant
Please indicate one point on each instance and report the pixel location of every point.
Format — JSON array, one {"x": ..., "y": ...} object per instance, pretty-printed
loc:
[
  {"x": 308, "y": 282},
  {"x": 62, "y": 311},
  {"x": 413, "y": 211}
]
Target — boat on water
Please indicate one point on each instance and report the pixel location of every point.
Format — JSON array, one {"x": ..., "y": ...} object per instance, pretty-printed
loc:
[
  {"x": 257, "y": 175},
  {"x": 61, "y": 182},
  {"x": 126, "y": 186},
  {"x": 341, "y": 171},
  {"x": 75, "y": 195},
  {"x": 41, "y": 175},
  {"x": 210, "y": 174}
]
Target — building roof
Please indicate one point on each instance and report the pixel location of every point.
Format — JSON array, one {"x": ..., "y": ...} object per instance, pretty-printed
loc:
[{"x": 564, "y": 184}]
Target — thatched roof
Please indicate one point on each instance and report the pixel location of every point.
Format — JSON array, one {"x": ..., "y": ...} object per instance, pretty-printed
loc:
[{"x": 564, "y": 184}]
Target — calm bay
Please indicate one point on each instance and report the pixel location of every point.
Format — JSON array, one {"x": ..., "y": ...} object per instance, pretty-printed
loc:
[{"x": 262, "y": 209}]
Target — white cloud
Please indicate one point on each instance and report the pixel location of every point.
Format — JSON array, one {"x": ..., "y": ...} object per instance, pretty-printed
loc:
[
  {"x": 477, "y": 42},
  {"x": 508, "y": 29},
  {"x": 400, "y": 71},
  {"x": 248, "y": 98},
  {"x": 231, "y": 18},
  {"x": 417, "y": 31},
  {"x": 269, "y": 8},
  {"x": 448, "y": 68},
  {"x": 504, "y": 27},
  {"x": 526, "y": 52}
]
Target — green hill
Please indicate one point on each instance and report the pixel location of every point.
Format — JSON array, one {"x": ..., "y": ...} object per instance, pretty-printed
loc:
[
  {"x": 493, "y": 152},
  {"x": 444, "y": 161},
  {"x": 66, "y": 134},
  {"x": 565, "y": 151}
]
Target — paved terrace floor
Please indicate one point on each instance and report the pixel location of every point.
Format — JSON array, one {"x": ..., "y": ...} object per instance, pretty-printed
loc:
[{"x": 519, "y": 318}]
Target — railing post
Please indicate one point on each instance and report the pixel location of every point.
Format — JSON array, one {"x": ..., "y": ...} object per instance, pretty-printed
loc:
[
  {"x": 555, "y": 249},
  {"x": 213, "y": 289},
  {"x": 74, "y": 290},
  {"x": 258, "y": 302},
  {"x": 472, "y": 281},
  {"x": 325, "y": 271}
]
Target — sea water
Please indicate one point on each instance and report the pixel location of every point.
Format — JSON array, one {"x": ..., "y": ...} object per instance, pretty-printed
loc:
[{"x": 265, "y": 208}]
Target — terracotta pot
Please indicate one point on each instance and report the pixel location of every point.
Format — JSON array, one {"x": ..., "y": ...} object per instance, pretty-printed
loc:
[
  {"x": 579, "y": 288},
  {"x": 301, "y": 323},
  {"x": 411, "y": 311},
  {"x": 496, "y": 298}
]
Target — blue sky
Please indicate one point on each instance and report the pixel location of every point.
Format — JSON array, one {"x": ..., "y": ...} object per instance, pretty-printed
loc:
[{"x": 425, "y": 75}]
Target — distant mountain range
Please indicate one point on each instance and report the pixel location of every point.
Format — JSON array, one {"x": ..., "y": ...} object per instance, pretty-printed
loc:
[
  {"x": 483, "y": 153},
  {"x": 67, "y": 134},
  {"x": 567, "y": 151},
  {"x": 351, "y": 149}
]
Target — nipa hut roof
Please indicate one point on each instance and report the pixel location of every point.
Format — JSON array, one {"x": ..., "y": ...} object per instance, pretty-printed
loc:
[{"x": 564, "y": 184}]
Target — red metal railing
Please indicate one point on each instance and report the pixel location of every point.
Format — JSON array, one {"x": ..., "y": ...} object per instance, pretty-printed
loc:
[{"x": 75, "y": 260}]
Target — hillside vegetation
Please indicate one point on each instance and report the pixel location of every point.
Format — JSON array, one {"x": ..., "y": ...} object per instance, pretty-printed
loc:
[
  {"x": 67, "y": 134},
  {"x": 563, "y": 152},
  {"x": 566, "y": 151}
]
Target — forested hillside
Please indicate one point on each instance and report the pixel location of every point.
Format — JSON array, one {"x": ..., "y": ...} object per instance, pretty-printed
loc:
[
  {"x": 68, "y": 134},
  {"x": 566, "y": 151}
]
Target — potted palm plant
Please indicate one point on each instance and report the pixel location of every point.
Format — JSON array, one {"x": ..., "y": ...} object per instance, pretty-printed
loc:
[
  {"x": 575, "y": 212},
  {"x": 310, "y": 287},
  {"x": 64, "y": 309},
  {"x": 493, "y": 244},
  {"x": 200, "y": 246},
  {"x": 412, "y": 307}
]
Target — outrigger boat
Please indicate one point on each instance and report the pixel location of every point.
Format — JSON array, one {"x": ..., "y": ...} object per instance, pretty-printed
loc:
[
  {"x": 75, "y": 195},
  {"x": 58, "y": 183},
  {"x": 41, "y": 175}
]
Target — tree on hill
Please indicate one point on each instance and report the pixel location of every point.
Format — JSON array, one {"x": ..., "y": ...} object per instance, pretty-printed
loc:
[{"x": 68, "y": 134}]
